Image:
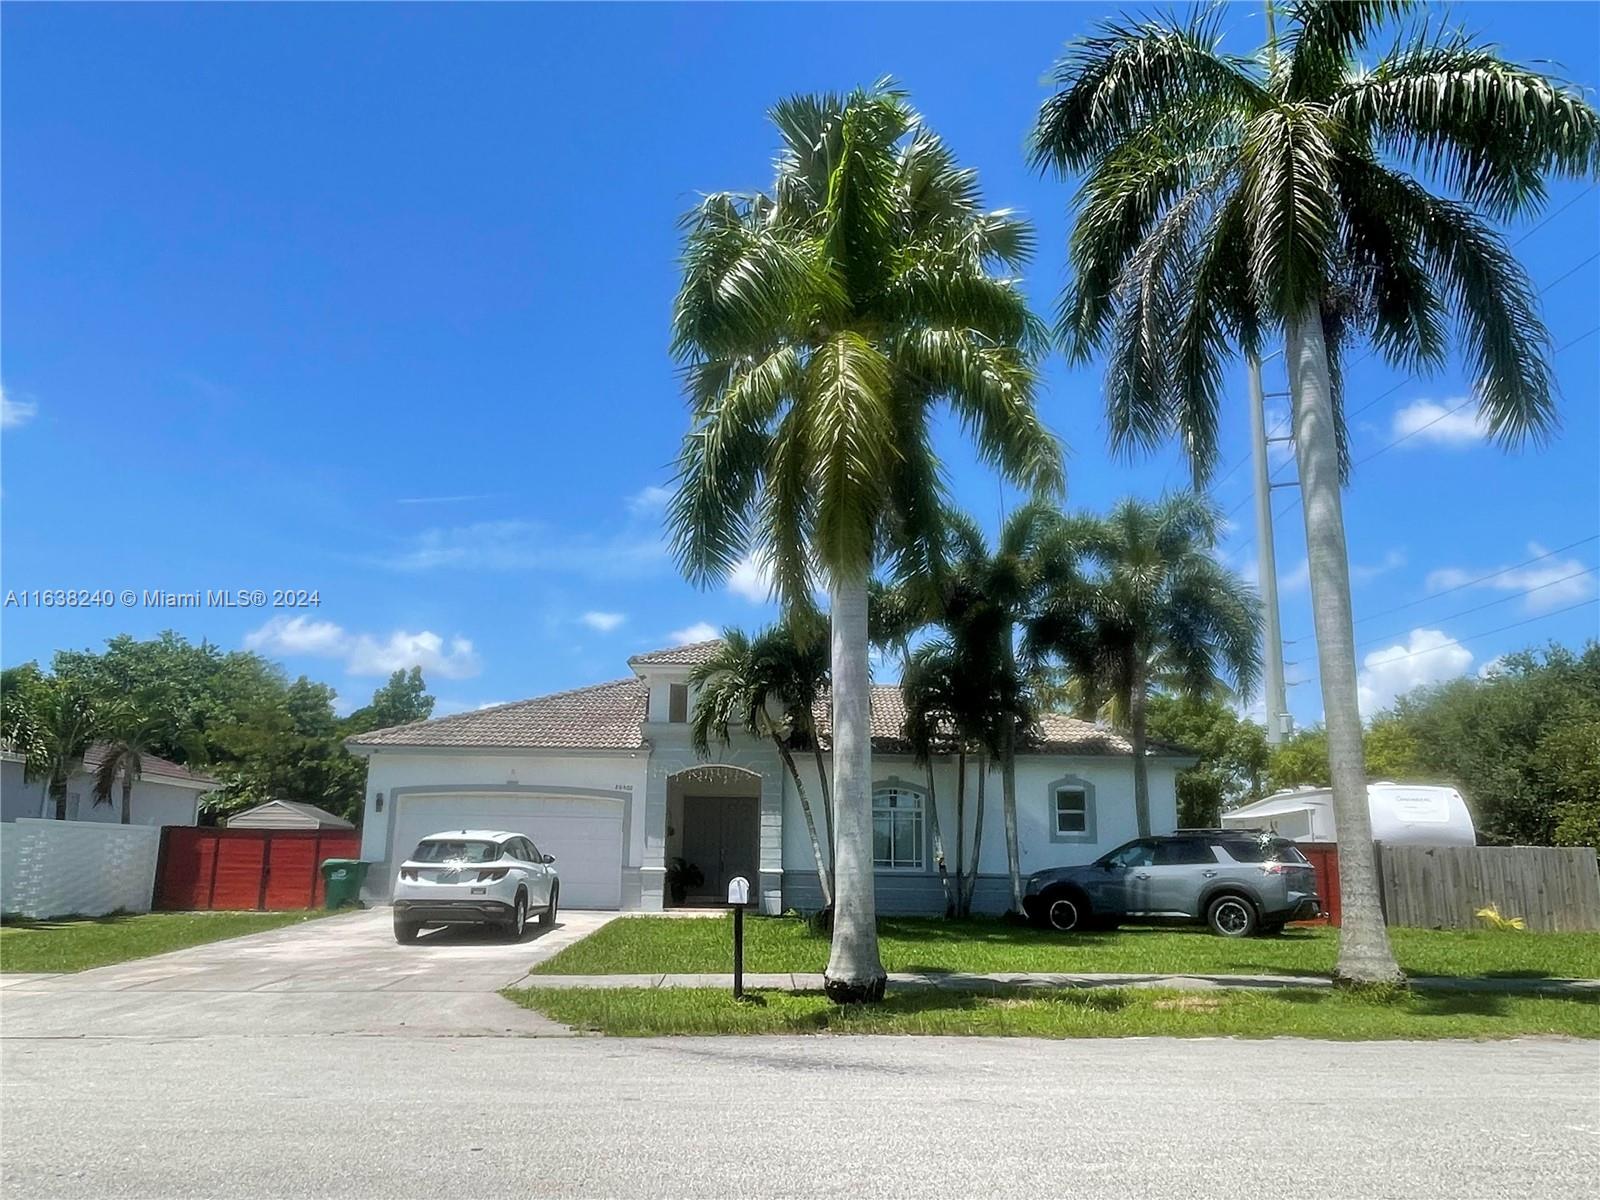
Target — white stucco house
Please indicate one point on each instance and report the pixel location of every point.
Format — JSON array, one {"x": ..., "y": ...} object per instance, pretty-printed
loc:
[
  {"x": 166, "y": 793},
  {"x": 605, "y": 779}
]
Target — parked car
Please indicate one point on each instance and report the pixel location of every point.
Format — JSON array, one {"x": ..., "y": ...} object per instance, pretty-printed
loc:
[
  {"x": 475, "y": 877},
  {"x": 1238, "y": 882}
]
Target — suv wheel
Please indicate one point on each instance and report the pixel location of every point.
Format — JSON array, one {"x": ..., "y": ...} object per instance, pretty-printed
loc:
[
  {"x": 1231, "y": 916},
  {"x": 1065, "y": 913},
  {"x": 405, "y": 931},
  {"x": 519, "y": 919},
  {"x": 548, "y": 917}
]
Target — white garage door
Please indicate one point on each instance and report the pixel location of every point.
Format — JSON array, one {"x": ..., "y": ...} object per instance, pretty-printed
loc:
[{"x": 584, "y": 834}]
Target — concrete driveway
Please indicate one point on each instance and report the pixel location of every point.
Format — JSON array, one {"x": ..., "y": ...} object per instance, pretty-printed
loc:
[{"x": 342, "y": 974}]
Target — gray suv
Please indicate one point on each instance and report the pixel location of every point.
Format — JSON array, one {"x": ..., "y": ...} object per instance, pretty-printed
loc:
[{"x": 1238, "y": 881}]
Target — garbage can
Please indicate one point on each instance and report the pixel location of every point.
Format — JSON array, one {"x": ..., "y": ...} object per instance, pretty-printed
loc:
[{"x": 342, "y": 879}]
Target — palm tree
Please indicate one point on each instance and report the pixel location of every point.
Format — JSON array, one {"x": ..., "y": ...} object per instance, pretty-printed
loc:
[
  {"x": 767, "y": 687},
  {"x": 1229, "y": 200},
  {"x": 932, "y": 694},
  {"x": 820, "y": 328},
  {"x": 52, "y": 724},
  {"x": 129, "y": 737},
  {"x": 1148, "y": 605}
]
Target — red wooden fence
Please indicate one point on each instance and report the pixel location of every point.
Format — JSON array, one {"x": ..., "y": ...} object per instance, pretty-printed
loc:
[{"x": 202, "y": 868}]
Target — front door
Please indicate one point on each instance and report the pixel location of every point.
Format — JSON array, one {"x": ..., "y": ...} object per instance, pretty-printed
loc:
[{"x": 720, "y": 836}]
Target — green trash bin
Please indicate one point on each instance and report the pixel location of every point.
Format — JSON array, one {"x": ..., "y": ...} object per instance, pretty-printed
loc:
[{"x": 342, "y": 879}]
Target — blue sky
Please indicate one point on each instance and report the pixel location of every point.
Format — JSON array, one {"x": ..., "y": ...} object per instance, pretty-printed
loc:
[{"x": 373, "y": 300}]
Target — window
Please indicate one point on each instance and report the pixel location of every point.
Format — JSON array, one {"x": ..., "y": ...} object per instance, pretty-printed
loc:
[
  {"x": 438, "y": 851},
  {"x": 1071, "y": 812},
  {"x": 532, "y": 854},
  {"x": 677, "y": 703},
  {"x": 1183, "y": 852},
  {"x": 1262, "y": 850},
  {"x": 1134, "y": 854},
  {"x": 896, "y": 828}
]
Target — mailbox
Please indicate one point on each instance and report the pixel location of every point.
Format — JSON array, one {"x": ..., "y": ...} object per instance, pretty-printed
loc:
[
  {"x": 738, "y": 890},
  {"x": 738, "y": 897}
]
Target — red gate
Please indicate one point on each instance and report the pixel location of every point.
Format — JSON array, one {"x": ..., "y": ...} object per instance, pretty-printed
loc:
[
  {"x": 1324, "y": 856},
  {"x": 236, "y": 869}
]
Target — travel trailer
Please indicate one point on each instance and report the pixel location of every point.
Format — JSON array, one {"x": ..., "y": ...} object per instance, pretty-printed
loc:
[{"x": 1403, "y": 814}]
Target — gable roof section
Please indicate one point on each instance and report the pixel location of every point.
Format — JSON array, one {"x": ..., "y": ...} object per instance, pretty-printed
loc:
[
  {"x": 320, "y": 817},
  {"x": 152, "y": 767},
  {"x": 690, "y": 655},
  {"x": 1056, "y": 733},
  {"x": 606, "y": 716}
]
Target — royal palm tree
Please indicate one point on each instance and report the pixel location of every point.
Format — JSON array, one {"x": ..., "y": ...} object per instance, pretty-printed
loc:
[
  {"x": 128, "y": 737},
  {"x": 52, "y": 724},
  {"x": 932, "y": 692},
  {"x": 768, "y": 687},
  {"x": 820, "y": 327},
  {"x": 1147, "y": 604},
  {"x": 1228, "y": 201}
]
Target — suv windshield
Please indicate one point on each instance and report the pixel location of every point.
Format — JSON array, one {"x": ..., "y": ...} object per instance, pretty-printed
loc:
[
  {"x": 1262, "y": 850},
  {"x": 433, "y": 851}
]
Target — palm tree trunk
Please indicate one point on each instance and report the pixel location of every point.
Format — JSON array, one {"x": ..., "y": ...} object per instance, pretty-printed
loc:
[
  {"x": 58, "y": 792},
  {"x": 827, "y": 808},
  {"x": 127, "y": 798},
  {"x": 855, "y": 972},
  {"x": 811, "y": 825},
  {"x": 1141, "y": 769},
  {"x": 1008, "y": 800},
  {"x": 938, "y": 844},
  {"x": 1364, "y": 953},
  {"x": 977, "y": 840},
  {"x": 961, "y": 826}
]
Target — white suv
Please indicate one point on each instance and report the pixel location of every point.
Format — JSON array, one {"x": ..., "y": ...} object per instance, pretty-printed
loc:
[{"x": 475, "y": 877}]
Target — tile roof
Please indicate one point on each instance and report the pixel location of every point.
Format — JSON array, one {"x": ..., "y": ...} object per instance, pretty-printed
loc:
[
  {"x": 606, "y": 716},
  {"x": 151, "y": 766},
  {"x": 1056, "y": 733},
  {"x": 690, "y": 655}
]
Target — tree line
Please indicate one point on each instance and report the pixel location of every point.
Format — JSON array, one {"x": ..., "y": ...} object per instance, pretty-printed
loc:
[{"x": 232, "y": 715}]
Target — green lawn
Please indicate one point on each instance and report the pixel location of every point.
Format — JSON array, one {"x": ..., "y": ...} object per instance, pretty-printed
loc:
[
  {"x": 78, "y": 943},
  {"x": 651, "y": 944},
  {"x": 1127, "y": 1012}
]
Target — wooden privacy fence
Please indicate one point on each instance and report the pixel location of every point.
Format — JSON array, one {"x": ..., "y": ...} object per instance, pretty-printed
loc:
[
  {"x": 1443, "y": 887},
  {"x": 236, "y": 869}
]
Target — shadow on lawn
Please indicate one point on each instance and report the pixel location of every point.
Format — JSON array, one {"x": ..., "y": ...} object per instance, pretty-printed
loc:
[{"x": 12, "y": 921}]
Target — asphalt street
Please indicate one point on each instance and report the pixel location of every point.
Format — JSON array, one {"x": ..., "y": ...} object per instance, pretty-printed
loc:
[{"x": 366, "y": 1116}]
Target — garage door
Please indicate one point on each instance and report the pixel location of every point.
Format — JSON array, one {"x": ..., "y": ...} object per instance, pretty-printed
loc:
[{"x": 584, "y": 834}]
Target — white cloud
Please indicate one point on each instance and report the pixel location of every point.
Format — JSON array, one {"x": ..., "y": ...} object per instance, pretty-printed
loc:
[
  {"x": 1436, "y": 423},
  {"x": 603, "y": 622},
  {"x": 751, "y": 578},
  {"x": 1493, "y": 667},
  {"x": 1367, "y": 572},
  {"x": 700, "y": 631},
  {"x": 649, "y": 500},
  {"x": 1549, "y": 584},
  {"x": 448, "y": 499},
  {"x": 364, "y": 654},
  {"x": 1426, "y": 656},
  {"x": 529, "y": 546},
  {"x": 1297, "y": 580},
  {"x": 16, "y": 413}
]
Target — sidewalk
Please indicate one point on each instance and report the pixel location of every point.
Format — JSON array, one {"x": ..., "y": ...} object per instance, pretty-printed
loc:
[{"x": 1014, "y": 981}]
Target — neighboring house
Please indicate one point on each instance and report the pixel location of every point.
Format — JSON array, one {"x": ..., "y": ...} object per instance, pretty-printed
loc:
[
  {"x": 605, "y": 779},
  {"x": 286, "y": 814},
  {"x": 164, "y": 794}
]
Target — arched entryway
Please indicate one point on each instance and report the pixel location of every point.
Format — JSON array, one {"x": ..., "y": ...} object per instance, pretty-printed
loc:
[{"x": 713, "y": 833}]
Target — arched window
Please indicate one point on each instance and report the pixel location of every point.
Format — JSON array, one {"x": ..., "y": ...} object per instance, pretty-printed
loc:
[{"x": 896, "y": 828}]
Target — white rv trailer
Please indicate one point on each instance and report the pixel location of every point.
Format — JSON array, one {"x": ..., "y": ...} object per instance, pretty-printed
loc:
[{"x": 1403, "y": 814}]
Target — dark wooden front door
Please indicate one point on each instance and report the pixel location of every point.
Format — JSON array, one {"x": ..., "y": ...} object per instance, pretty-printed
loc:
[{"x": 721, "y": 836}]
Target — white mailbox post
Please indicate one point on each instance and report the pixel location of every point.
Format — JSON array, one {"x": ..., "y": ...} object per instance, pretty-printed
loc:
[{"x": 738, "y": 897}]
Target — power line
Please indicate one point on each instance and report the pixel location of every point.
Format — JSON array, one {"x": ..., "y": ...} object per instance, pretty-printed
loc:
[
  {"x": 1295, "y": 499},
  {"x": 1480, "y": 607},
  {"x": 1473, "y": 637},
  {"x": 1561, "y": 278},
  {"x": 1480, "y": 579}
]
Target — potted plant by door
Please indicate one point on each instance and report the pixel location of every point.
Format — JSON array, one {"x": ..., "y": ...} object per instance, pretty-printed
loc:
[{"x": 681, "y": 876}]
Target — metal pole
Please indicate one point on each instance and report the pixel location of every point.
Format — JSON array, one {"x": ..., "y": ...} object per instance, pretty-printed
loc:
[
  {"x": 1267, "y": 563},
  {"x": 738, "y": 952}
]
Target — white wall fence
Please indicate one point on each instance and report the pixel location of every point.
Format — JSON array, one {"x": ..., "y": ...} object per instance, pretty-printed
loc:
[{"x": 55, "y": 868}]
